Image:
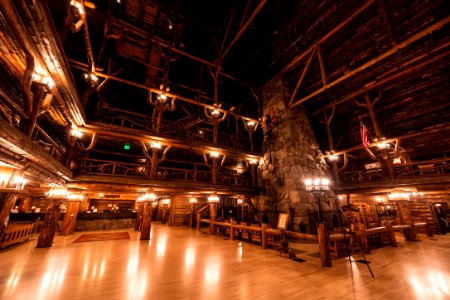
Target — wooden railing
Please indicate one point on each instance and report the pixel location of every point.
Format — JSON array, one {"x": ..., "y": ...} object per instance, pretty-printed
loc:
[
  {"x": 16, "y": 233},
  {"x": 107, "y": 167},
  {"x": 413, "y": 169},
  {"x": 126, "y": 118}
]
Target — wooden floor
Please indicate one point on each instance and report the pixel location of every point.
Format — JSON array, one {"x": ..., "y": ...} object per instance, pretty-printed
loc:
[{"x": 180, "y": 263}]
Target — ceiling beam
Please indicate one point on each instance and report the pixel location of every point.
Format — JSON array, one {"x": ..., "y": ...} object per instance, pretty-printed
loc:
[
  {"x": 84, "y": 67},
  {"x": 243, "y": 28},
  {"x": 102, "y": 129},
  {"x": 299, "y": 57},
  {"x": 414, "y": 66},
  {"x": 377, "y": 59}
]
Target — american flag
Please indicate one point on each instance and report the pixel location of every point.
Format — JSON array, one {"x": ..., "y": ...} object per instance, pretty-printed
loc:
[{"x": 364, "y": 138}]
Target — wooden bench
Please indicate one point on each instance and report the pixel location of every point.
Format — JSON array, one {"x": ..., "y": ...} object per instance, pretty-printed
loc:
[
  {"x": 384, "y": 233},
  {"x": 16, "y": 233},
  {"x": 336, "y": 243},
  {"x": 410, "y": 231}
]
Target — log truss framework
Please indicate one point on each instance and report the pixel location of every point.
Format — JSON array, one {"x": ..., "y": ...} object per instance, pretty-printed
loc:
[
  {"x": 71, "y": 116},
  {"x": 394, "y": 162}
]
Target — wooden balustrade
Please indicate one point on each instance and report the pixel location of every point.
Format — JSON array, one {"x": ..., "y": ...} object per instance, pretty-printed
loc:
[
  {"x": 16, "y": 233},
  {"x": 107, "y": 167},
  {"x": 405, "y": 170}
]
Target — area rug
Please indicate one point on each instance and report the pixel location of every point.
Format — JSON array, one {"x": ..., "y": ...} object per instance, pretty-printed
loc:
[{"x": 94, "y": 237}]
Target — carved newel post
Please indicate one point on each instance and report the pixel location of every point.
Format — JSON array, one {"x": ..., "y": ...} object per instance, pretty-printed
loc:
[
  {"x": 72, "y": 206},
  {"x": 318, "y": 187},
  {"x": 192, "y": 201},
  {"x": 165, "y": 206},
  {"x": 147, "y": 200},
  {"x": 50, "y": 225},
  {"x": 213, "y": 200}
]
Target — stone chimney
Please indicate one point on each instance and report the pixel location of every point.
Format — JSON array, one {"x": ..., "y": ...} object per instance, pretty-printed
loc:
[{"x": 291, "y": 154}]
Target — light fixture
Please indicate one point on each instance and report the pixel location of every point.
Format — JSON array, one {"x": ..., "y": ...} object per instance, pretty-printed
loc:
[
  {"x": 5, "y": 174},
  {"x": 58, "y": 192},
  {"x": 19, "y": 181},
  {"x": 397, "y": 161},
  {"x": 78, "y": 6},
  {"x": 215, "y": 112},
  {"x": 193, "y": 200},
  {"x": 318, "y": 184},
  {"x": 165, "y": 201},
  {"x": 76, "y": 133},
  {"x": 253, "y": 161},
  {"x": 399, "y": 196},
  {"x": 74, "y": 197},
  {"x": 155, "y": 145},
  {"x": 46, "y": 80},
  {"x": 162, "y": 97},
  {"x": 213, "y": 198},
  {"x": 214, "y": 154},
  {"x": 251, "y": 123},
  {"x": 147, "y": 197},
  {"x": 333, "y": 157},
  {"x": 240, "y": 200},
  {"x": 383, "y": 144}
]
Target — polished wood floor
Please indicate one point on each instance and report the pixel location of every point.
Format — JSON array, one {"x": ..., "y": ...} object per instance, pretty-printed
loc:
[{"x": 180, "y": 263}]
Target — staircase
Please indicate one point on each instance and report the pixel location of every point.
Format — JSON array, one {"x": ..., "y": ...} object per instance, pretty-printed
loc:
[
  {"x": 187, "y": 216},
  {"x": 182, "y": 124}
]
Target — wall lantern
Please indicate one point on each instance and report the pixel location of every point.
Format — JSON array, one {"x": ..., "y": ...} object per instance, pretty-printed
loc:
[
  {"x": 193, "y": 200},
  {"x": 317, "y": 184},
  {"x": 214, "y": 154},
  {"x": 213, "y": 198}
]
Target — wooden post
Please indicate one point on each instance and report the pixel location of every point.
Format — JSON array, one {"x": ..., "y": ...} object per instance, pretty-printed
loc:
[
  {"x": 154, "y": 164},
  {"x": 191, "y": 215},
  {"x": 405, "y": 217},
  {"x": 146, "y": 221},
  {"x": 323, "y": 245},
  {"x": 212, "y": 216},
  {"x": 137, "y": 223},
  {"x": 263, "y": 236},
  {"x": 70, "y": 218},
  {"x": 232, "y": 229},
  {"x": 198, "y": 221},
  {"x": 25, "y": 205},
  {"x": 7, "y": 201},
  {"x": 49, "y": 227},
  {"x": 164, "y": 211}
]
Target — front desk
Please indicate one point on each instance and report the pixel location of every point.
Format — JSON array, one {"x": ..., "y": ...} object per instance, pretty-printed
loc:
[
  {"x": 104, "y": 221},
  {"x": 85, "y": 221}
]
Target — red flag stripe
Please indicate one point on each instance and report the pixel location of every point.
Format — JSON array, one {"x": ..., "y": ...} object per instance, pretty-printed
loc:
[{"x": 364, "y": 138}]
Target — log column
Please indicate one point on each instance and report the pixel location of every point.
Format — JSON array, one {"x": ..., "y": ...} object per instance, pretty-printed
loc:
[
  {"x": 7, "y": 201},
  {"x": 323, "y": 245},
  {"x": 146, "y": 221},
  {"x": 212, "y": 216},
  {"x": 48, "y": 231},
  {"x": 70, "y": 218}
]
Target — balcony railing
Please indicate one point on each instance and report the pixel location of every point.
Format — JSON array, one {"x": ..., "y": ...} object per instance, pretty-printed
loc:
[{"x": 433, "y": 167}]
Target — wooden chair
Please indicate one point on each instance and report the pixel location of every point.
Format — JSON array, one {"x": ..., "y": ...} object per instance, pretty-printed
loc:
[{"x": 256, "y": 236}]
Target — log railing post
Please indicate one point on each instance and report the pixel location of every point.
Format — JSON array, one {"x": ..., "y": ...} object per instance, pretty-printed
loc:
[
  {"x": 49, "y": 227},
  {"x": 323, "y": 245},
  {"x": 263, "y": 236},
  {"x": 146, "y": 221}
]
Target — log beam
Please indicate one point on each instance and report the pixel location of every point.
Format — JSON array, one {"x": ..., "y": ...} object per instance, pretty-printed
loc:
[{"x": 404, "y": 44}]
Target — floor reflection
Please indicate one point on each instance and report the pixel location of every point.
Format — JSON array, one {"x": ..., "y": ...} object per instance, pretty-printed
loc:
[{"x": 430, "y": 285}]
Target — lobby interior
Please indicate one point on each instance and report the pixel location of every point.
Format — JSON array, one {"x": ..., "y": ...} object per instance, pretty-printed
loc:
[{"x": 224, "y": 149}]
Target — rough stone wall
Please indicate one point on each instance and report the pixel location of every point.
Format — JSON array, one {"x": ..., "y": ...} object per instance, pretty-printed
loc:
[{"x": 291, "y": 154}]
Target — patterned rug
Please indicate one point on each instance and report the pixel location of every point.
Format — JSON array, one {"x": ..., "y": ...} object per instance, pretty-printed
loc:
[{"x": 94, "y": 237}]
